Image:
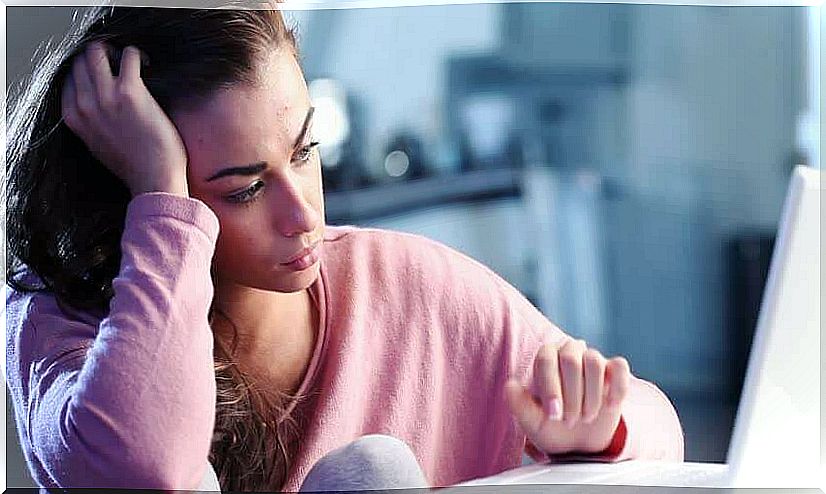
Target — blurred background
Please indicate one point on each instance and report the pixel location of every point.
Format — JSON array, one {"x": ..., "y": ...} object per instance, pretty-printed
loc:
[{"x": 624, "y": 166}]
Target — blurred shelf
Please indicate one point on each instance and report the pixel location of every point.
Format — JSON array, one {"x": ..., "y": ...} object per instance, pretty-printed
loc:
[{"x": 394, "y": 198}]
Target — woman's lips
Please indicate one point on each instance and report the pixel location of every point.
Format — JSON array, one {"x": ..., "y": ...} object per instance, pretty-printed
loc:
[{"x": 305, "y": 259}]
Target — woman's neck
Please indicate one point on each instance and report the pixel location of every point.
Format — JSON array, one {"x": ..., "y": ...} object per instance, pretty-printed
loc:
[{"x": 276, "y": 332}]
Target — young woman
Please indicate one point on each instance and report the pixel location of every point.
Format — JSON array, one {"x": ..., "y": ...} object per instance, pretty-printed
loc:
[{"x": 176, "y": 297}]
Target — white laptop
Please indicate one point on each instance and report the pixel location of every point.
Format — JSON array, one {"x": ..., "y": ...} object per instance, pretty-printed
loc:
[{"x": 776, "y": 436}]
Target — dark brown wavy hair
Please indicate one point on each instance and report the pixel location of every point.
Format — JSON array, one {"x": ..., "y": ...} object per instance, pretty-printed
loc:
[{"x": 66, "y": 211}]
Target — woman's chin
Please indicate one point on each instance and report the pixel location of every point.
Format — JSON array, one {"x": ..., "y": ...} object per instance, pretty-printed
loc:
[
  {"x": 292, "y": 281},
  {"x": 276, "y": 279}
]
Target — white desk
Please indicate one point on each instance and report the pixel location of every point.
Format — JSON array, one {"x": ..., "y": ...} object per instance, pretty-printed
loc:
[
  {"x": 633, "y": 476},
  {"x": 570, "y": 477}
]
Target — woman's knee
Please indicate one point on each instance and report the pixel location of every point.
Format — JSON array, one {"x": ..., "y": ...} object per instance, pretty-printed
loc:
[
  {"x": 375, "y": 461},
  {"x": 378, "y": 446}
]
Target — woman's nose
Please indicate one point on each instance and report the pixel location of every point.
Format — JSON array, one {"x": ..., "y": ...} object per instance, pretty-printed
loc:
[{"x": 294, "y": 214}]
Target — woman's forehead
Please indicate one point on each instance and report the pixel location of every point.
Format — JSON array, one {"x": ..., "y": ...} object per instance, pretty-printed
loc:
[{"x": 247, "y": 122}]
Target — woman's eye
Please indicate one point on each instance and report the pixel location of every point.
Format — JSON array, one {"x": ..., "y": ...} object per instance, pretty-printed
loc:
[
  {"x": 247, "y": 194},
  {"x": 305, "y": 153}
]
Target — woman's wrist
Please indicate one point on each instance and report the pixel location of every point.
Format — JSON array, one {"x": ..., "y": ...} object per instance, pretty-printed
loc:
[
  {"x": 176, "y": 187},
  {"x": 611, "y": 448},
  {"x": 188, "y": 209}
]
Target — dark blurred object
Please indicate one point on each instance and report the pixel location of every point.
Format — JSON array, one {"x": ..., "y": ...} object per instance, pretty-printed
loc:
[
  {"x": 517, "y": 150},
  {"x": 393, "y": 198},
  {"x": 552, "y": 115},
  {"x": 749, "y": 257},
  {"x": 552, "y": 111},
  {"x": 403, "y": 158},
  {"x": 497, "y": 109},
  {"x": 526, "y": 149}
]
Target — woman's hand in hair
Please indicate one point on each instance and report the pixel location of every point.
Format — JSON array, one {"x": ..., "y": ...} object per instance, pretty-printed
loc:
[{"x": 122, "y": 124}]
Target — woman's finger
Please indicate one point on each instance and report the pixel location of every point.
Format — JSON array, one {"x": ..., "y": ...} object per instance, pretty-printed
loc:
[
  {"x": 618, "y": 376},
  {"x": 546, "y": 381},
  {"x": 524, "y": 407},
  {"x": 570, "y": 369},
  {"x": 130, "y": 65},
  {"x": 68, "y": 102},
  {"x": 100, "y": 72},
  {"x": 594, "y": 364},
  {"x": 85, "y": 95}
]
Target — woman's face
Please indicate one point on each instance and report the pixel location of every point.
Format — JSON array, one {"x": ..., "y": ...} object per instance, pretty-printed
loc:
[{"x": 251, "y": 161}]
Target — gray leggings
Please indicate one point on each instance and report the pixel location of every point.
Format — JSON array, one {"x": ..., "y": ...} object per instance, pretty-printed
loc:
[{"x": 372, "y": 462}]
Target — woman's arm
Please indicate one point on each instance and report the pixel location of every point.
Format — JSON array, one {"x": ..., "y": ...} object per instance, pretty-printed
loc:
[
  {"x": 131, "y": 403},
  {"x": 649, "y": 427}
]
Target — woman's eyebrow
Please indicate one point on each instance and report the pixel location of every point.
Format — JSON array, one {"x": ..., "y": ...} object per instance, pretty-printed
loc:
[
  {"x": 307, "y": 120},
  {"x": 252, "y": 169},
  {"x": 256, "y": 168}
]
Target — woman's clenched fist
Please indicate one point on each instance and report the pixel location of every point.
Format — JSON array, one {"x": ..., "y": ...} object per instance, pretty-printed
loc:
[{"x": 575, "y": 401}]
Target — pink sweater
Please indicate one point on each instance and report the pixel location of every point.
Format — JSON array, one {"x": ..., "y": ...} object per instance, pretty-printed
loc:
[{"x": 415, "y": 340}]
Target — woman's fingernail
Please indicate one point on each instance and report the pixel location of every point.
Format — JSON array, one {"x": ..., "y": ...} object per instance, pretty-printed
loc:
[{"x": 554, "y": 409}]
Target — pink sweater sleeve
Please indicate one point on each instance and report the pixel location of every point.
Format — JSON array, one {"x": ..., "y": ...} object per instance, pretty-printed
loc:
[{"x": 130, "y": 403}]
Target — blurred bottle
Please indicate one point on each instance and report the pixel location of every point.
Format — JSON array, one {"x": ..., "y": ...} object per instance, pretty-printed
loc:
[{"x": 487, "y": 121}]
